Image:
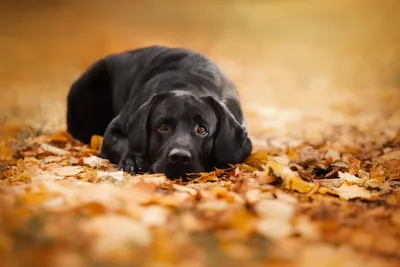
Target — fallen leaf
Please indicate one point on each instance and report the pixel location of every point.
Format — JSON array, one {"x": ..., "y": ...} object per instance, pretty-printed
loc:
[
  {"x": 378, "y": 173},
  {"x": 350, "y": 178},
  {"x": 354, "y": 165},
  {"x": 61, "y": 137},
  {"x": 307, "y": 155},
  {"x": 117, "y": 176},
  {"x": 68, "y": 171},
  {"x": 347, "y": 192},
  {"x": 333, "y": 154},
  {"x": 6, "y": 153},
  {"x": 54, "y": 150},
  {"x": 95, "y": 162},
  {"x": 257, "y": 159},
  {"x": 96, "y": 142}
]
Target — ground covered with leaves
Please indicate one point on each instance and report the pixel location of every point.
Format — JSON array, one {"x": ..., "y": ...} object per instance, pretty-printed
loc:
[{"x": 330, "y": 198}]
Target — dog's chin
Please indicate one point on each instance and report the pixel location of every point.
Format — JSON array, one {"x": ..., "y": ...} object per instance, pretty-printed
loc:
[{"x": 173, "y": 171}]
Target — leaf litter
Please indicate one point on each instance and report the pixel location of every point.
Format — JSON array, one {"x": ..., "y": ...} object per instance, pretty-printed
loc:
[{"x": 327, "y": 201}]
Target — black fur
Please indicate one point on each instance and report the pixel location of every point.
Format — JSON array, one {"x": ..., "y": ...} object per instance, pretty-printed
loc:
[{"x": 152, "y": 105}]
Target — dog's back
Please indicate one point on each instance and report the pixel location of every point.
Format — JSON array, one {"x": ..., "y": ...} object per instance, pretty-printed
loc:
[{"x": 103, "y": 90}]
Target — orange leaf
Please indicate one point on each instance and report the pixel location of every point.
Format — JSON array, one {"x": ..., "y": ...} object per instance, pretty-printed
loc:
[
  {"x": 257, "y": 159},
  {"x": 61, "y": 137},
  {"x": 96, "y": 142}
]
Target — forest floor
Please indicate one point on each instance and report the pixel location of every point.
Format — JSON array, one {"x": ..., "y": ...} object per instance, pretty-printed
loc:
[{"x": 319, "y": 190}]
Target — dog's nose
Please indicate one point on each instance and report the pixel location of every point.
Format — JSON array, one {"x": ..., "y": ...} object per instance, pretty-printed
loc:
[{"x": 181, "y": 156}]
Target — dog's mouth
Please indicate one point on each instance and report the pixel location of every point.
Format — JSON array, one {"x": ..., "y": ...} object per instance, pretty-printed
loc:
[{"x": 174, "y": 171}]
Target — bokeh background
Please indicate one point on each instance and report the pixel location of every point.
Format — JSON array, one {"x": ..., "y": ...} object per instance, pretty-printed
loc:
[{"x": 286, "y": 56}]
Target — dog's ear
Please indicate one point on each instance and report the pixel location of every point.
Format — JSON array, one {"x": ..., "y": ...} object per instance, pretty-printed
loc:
[
  {"x": 231, "y": 142},
  {"x": 134, "y": 124}
]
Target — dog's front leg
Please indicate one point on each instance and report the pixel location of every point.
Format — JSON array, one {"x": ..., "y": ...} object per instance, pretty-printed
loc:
[
  {"x": 116, "y": 149},
  {"x": 133, "y": 164},
  {"x": 116, "y": 146}
]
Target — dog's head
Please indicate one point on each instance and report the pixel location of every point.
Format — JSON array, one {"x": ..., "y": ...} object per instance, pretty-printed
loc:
[{"x": 179, "y": 133}]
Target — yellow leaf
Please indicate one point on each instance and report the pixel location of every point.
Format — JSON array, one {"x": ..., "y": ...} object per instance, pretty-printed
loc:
[
  {"x": 91, "y": 209},
  {"x": 257, "y": 159},
  {"x": 96, "y": 142},
  {"x": 61, "y": 137},
  {"x": 89, "y": 151},
  {"x": 242, "y": 221},
  {"x": 6, "y": 153},
  {"x": 378, "y": 173},
  {"x": 206, "y": 176},
  {"x": 354, "y": 165},
  {"x": 291, "y": 180},
  {"x": 35, "y": 198}
]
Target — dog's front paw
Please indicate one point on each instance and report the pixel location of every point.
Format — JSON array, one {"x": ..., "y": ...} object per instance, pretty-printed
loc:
[{"x": 127, "y": 165}]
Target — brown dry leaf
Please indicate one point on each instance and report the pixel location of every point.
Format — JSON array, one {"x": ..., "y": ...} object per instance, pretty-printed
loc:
[
  {"x": 54, "y": 150},
  {"x": 391, "y": 155},
  {"x": 354, "y": 165},
  {"x": 393, "y": 169},
  {"x": 68, "y": 171},
  {"x": 117, "y": 176},
  {"x": 307, "y": 155}
]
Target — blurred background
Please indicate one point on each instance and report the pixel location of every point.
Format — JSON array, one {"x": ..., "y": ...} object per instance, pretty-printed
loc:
[{"x": 286, "y": 56}]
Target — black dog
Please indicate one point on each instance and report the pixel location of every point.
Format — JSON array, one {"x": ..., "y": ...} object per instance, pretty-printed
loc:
[{"x": 160, "y": 109}]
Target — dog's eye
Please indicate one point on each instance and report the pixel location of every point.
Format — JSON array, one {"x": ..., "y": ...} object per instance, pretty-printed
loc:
[
  {"x": 201, "y": 130},
  {"x": 163, "y": 127}
]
